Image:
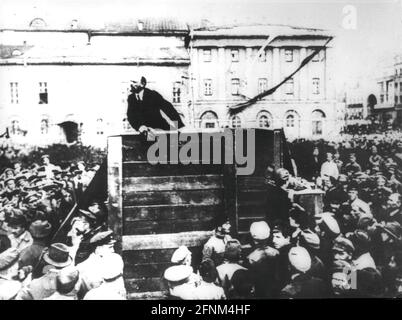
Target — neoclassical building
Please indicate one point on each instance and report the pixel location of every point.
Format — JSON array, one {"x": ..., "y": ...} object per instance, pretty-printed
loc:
[
  {"x": 231, "y": 64},
  {"x": 70, "y": 81}
]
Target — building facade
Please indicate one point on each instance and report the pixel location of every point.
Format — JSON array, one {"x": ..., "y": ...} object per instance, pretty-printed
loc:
[
  {"x": 62, "y": 85},
  {"x": 71, "y": 82},
  {"x": 230, "y": 65},
  {"x": 388, "y": 109}
]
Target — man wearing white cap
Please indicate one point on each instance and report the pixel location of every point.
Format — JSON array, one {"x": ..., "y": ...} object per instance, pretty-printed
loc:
[
  {"x": 302, "y": 284},
  {"x": 179, "y": 283},
  {"x": 262, "y": 261},
  {"x": 112, "y": 287},
  {"x": 182, "y": 256}
]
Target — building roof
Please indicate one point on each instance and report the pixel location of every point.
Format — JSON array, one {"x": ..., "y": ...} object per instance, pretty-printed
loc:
[
  {"x": 97, "y": 54},
  {"x": 134, "y": 25},
  {"x": 258, "y": 30}
]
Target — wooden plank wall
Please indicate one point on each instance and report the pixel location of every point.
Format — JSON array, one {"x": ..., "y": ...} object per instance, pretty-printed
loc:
[
  {"x": 251, "y": 189},
  {"x": 155, "y": 208},
  {"x": 164, "y": 206}
]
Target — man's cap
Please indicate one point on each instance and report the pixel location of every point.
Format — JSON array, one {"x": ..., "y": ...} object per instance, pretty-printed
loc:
[
  {"x": 178, "y": 273},
  {"x": 88, "y": 214},
  {"x": 6, "y": 170},
  {"x": 58, "y": 255},
  {"x": 40, "y": 229},
  {"x": 9, "y": 179},
  {"x": 394, "y": 229},
  {"x": 44, "y": 156},
  {"x": 103, "y": 237},
  {"x": 180, "y": 254},
  {"x": 300, "y": 259},
  {"x": 364, "y": 222},
  {"x": 20, "y": 177},
  {"x": 342, "y": 244},
  {"x": 260, "y": 230},
  {"x": 331, "y": 223},
  {"x": 311, "y": 239}
]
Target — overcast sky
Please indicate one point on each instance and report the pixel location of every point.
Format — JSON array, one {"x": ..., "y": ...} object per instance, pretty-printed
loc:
[{"x": 378, "y": 32}]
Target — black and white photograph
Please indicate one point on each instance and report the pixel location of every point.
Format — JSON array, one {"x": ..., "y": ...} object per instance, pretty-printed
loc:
[{"x": 209, "y": 150}]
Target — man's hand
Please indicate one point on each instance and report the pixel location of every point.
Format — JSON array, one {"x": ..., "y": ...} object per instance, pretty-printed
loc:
[{"x": 143, "y": 129}]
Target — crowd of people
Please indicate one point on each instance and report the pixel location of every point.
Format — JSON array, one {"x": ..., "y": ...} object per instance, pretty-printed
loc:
[
  {"x": 36, "y": 263},
  {"x": 351, "y": 249}
]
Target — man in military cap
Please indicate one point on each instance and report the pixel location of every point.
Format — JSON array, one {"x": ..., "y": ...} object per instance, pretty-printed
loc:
[{"x": 343, "y": 249}]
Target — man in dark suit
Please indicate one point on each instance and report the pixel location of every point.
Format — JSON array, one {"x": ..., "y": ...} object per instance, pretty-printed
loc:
[{"x": 148, "y": 110}]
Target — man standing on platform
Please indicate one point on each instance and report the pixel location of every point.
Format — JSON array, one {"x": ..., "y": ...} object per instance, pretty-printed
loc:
[{"x": 148, "y": 110}]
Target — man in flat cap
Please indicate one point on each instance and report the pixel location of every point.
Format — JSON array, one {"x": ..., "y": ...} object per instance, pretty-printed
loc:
[
  {"x": 302, "y": 284},
  {"x": 148, "y": 110}
]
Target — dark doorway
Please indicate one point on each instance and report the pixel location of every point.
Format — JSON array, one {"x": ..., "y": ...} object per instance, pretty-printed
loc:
[{"x": 70, "y": 129}]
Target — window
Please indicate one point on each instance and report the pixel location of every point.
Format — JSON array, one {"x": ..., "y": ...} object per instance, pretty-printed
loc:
[
  {"x": 381, "y": 98},
  {"x": 235, "y": 55},
  {"x": 236, "y": 122},
  {"x": 209, "y": 120},
  {"x": 235, "y": 87},
  {"x": 263, "y": 56},
  {"x": 207, "y": 55},
  {"x": 396, "y": 99},
  {"x": 400, "y": 86},
  {"x": 14, "y": 92},
  {"x": 37, "y": 23},
  {"x": 15, "y": 127},
  {"x": 126, "y": 124},
  {"x": 289, "y": 87},
  {"x": 176, "y": 92},
  {"x": 264, "y": 119},
  {"x": 99, "y": 126},
  {"x": 208, "y": 87},
  {"x": 43, "y": 93},
  {"x": 317, "y": 122},
  {"x": 44, "y": 126},
  {"x": 316, "y": 85},
  {"x": 289, "y": 55},
  {"x": 125, "y": 92},
  {"x": 290, "y": 121},
  {"x": 262, "y": 85},
  {"x": 396, "y": 86}
]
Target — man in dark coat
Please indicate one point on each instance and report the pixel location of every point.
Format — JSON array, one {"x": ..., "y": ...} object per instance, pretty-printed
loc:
[{"x": 145, "y": 107}]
